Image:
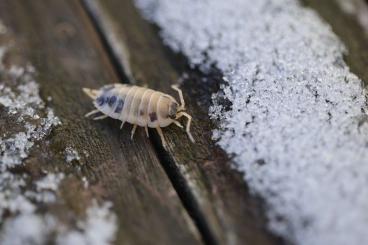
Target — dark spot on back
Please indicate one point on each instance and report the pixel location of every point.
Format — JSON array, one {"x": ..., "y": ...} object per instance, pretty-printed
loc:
[
  {"x": 120, "y": 106},
  {"x": 141, "y": 112},
  {"x": 100, "y": 100},
  {"x": 153, "y": 116},
  {"x": 112, "y": 100}
]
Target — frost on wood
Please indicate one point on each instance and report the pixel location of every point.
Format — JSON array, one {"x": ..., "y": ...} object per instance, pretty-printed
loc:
[
  {"x": 297, "y": 125},
  {"x": 25, "y": 120},
  {"x": 23, "y": 103},
  {"x": 21, "y": 206},
  {"x": 31, "y": 120},
  {"x": 71, "y": 154},
  {"x": 27, "y": 229},
  {"x": 99, "y": 228}
]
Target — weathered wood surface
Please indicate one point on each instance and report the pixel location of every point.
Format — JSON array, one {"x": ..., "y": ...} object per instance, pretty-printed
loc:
[
  {"x": 350, "y": 31},
  {"x": 214, "y": 193},
  {"x": 61, "y": 41},
  {"x": 57, "y": 37}
]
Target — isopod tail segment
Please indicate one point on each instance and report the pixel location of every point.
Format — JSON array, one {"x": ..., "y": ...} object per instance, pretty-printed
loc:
[{"x": 92, "y": 93}]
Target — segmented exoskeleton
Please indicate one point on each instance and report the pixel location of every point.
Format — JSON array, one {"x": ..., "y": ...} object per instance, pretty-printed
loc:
[{"x": 139, "y": 106}]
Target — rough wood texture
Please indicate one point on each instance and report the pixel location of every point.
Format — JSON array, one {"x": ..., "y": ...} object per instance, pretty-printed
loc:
[
  {"x": 214, "y": 193},
  {"x": 58, "y": 39},
  {"x": 349, "y": 30}
]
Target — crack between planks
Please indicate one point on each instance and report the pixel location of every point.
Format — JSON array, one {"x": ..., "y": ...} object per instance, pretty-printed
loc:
[{"x": 167, "y": 162}]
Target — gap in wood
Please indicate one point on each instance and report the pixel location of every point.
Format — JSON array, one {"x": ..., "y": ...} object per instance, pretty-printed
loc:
[{"x": 173, "y": 173}]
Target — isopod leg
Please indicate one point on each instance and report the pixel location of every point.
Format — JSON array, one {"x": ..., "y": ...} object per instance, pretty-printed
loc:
[
  {"x": 159, "y": 131},
  {"x": 122, "y": 124},
  {"x": 178, "y": 124},
  {"x": 133, "y": 131},
  {"x": 91, "y": 113},
  {"x": 182, "y": 102},
  {"x": 180, "y": 114},
  {"x": 146, "y": 129},
  {"x": 100, "y": 117}
]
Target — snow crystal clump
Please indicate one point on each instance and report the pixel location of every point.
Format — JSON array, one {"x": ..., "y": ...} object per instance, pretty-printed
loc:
[
  {"x": 28, "y": 120},
  {"x": 71, "y": 154},
  {"x": 16, "y": 200},
  {"x": 11, "y": 195},
  {"x": 50, "y": 182},
  {"x": 99, "y": 228},
  {"x": 46, "y": 188},
  {"x": 24, "y": 103},
  {"x": 26, "y": 229},
  {"x": 297, "y": 125}
]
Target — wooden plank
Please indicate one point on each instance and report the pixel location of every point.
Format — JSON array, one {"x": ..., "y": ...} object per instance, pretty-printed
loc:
[
  {"x": 58, "y": 39},
  {"x": 214, "y": 193},
  {"x": 350, "y": 31}
]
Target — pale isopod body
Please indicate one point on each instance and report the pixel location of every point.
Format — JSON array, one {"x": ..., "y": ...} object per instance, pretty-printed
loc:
[{"x": 139, "y": 106}]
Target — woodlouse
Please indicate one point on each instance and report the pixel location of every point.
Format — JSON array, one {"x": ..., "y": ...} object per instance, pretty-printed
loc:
[{"x": 139, "y": 106}]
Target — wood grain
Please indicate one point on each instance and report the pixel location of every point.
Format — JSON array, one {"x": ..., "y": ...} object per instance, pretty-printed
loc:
[
  {"x": 58, "y": 38},
  {"x": 213, "y": 192},
  {"x": 350, "y": 32}
]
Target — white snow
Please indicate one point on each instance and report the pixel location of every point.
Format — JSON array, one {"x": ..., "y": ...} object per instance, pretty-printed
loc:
[
  {"x": 46, "y": 188},
  {"x": 11, "y": 196},
  {"x": 33, "y": 121},
  {"x": 297, "y": 126},
  {"x": 19, "y": 97},
  {"x": 99, "y": 228},
  {"x": 24, "y": 103},
  {"x": 27, "y": 229},
  {"x": 71, "y": 154},
  {"x": 50, "y": 182}
]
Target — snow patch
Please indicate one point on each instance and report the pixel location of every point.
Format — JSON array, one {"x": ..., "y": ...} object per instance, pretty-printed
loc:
[
  {"x": 11, "y": 195},
  {"x": 24, "y": 103},
  {"x": 297, "y": 126},
  {"x": 33, "y": 121},
  {"x": 99, "y": 228},
  {"x": 71, "y": 154},
  {"x": 50, "y": 182},
  {"x": 27, "y": 229}
]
